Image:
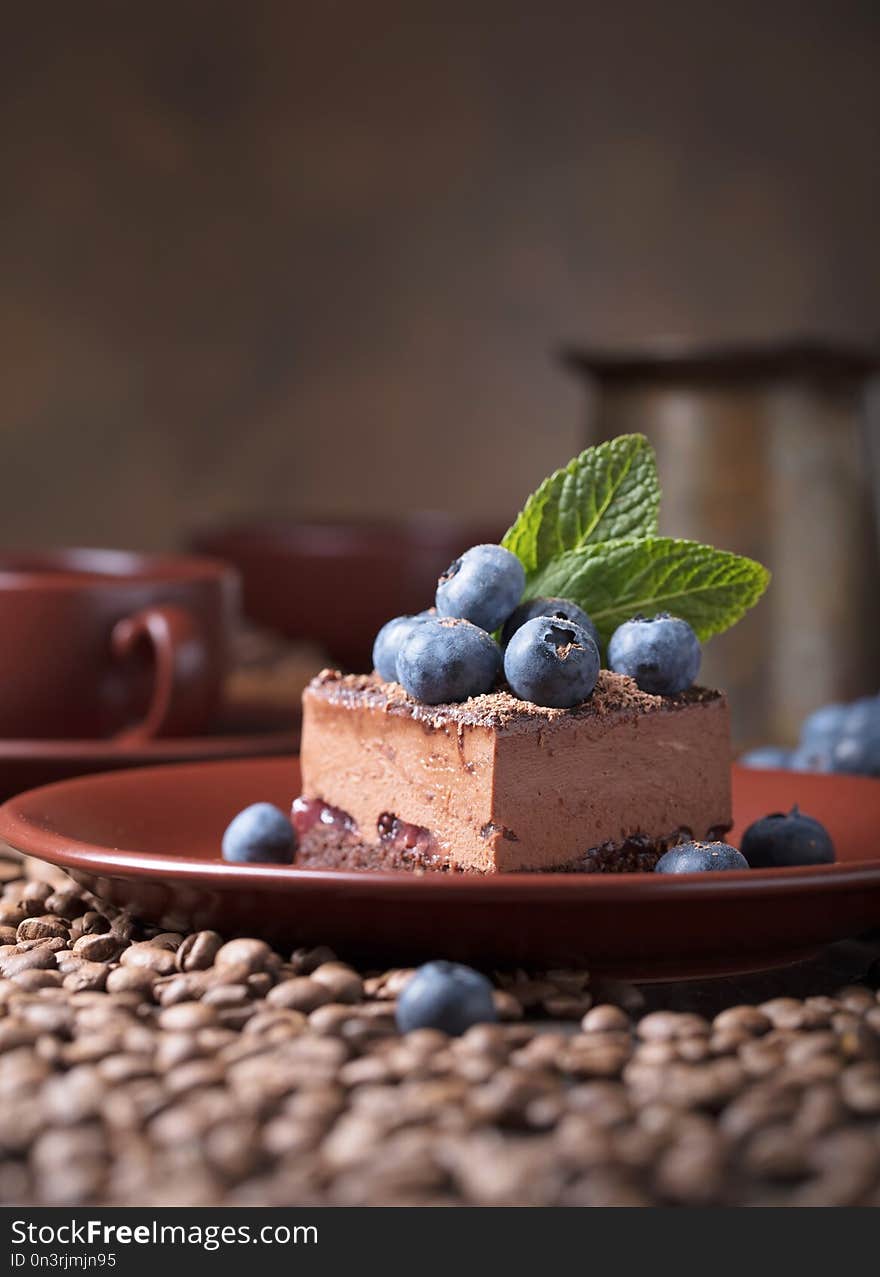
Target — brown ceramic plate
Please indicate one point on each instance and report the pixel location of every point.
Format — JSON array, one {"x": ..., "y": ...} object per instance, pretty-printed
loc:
[
  {"x": 149, "y": 840},
  {"x": 241, "y": 731}
]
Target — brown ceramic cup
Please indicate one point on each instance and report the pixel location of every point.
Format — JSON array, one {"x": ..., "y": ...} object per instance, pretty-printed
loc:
[{"x": 98, "y": 643}]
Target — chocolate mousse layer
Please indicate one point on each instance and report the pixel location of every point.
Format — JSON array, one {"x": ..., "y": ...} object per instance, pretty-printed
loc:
[{"x": 498, "y": 785}]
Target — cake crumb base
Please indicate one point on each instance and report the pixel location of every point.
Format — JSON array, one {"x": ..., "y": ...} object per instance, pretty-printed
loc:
[{"x": 325, "y": 847}]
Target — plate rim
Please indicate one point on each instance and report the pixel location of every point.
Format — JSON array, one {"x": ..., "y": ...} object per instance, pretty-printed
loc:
[{"x": 24, "y": 834}]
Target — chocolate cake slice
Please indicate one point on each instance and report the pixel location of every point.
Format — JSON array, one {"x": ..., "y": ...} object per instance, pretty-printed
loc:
[{"x": 499, "y": 785}]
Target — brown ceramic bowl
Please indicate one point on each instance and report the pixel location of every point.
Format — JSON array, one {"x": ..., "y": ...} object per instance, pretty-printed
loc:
[
  {"x": 149, "y": 840},
  {"x": 337, "y": 583}
]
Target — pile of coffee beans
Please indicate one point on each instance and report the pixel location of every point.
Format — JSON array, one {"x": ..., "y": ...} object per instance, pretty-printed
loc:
[{"x": 151, "y": 1068}]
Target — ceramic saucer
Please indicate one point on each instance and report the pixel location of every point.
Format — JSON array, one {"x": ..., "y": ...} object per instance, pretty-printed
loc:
[{"x": 242, "y": 731}]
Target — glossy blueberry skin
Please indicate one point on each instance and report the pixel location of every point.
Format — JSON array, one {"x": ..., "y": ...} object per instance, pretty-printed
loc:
[
  {"x": 857, "y": 755},
  {"x": 700, "y": 857},
  {"x": 559, "y": 609},
  {"x": 445, "y": 660},
  {"x": 823, "y": 725},
  {"x": 552, "y": 663},
  {"x": 445, "y": 996},
  {"x": 782, "y": 839},
  {"x": 261, "y": 834},
  {"x": 388, "y": 642},
  {"x": 662, "y": 654},
  {"x": 767, "y": 758},
  {"x": 813, "y": 757},
  {"x": 483, "y": 586}
]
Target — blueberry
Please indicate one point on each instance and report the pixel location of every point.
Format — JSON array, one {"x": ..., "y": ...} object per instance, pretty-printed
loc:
[
  {"x": 794, "y": 839},
  {"x": 445, "y": 659},
  {"x": 767, "y": 758},
  {"x": 862, "y": 717},
  {"x": 483, "y": 586},
  {"x": 550, "y": 662},
  {"x": 700, "y": 857},
  {"x": 813, "y": 757},
  {"x": 260, "y": 833},
  {"x": 823, "y": 725},
  {"x": 445, "y": 996},
  {"x": 859, "y": 755},
  {"x": 388, "y": 642},
  {"x": 559, "y": 609},
  {"x": 662, "y": 654}
]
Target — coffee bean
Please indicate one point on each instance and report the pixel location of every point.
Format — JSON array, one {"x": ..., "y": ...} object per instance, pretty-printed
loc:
[
  {"x": 25, "y": 958},
  {"x": 344, "y": 984},
  {"x": 605, "y": 1018},
  {"x": 87, "y": 975},
  {"x": 742, "y": 1019},
  {"x": 238, "y": 959},
  {"x": 662, "y": 1026},
  {"x": 305, "y": 961},
  {"x": 98, "y": 947},
  {"x": 299, "y": 994},
  {"x": 42, "y": 928},
  {"x": 198, "y": 950},
  {"x": 187, "y": 1016},
  {"x": 93, "y": 924},
  {"x": 67, "y": 903},
  {"x": 860, "y": 1087},
  {"x": 225, "y": 996},
  {"x": 138, "y": 980},
  {"x": 148, "y": 956}
]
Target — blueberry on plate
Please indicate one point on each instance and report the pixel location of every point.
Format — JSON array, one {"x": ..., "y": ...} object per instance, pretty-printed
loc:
[
  {"x": 767, "y": 758},
  {"x": 859, "y": 755},
  {"x": 558, "y": 609},
  {"x": 700, "y": 857},
  {"x": 261, "y": 834},
  {"x": 824, "y": 725},
  {"x": 445, "y": 659},
  {"x": 784, "y": 839},
  {"x": 552, "y": 663},
  {"x": 388, "y": 641},
  {"x": 445, "y": 996},
  {"x": 662, "y": 654},
  {"x": 483, "y": 586},
  {"x": 815, "y": 756}
]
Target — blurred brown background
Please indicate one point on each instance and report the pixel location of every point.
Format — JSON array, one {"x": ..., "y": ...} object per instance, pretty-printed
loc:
[{"x": 315, "y": 257}]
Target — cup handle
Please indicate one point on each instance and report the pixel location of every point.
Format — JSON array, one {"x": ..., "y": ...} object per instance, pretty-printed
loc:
[{"x": 179, "y": 658}]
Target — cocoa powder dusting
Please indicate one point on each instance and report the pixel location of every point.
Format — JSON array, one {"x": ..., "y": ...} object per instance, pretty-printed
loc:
[{"x": 615, "y": 696}]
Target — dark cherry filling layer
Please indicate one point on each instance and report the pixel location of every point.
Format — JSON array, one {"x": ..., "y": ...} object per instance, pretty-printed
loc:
[
  {"x": 329, "y": 838},
  {"x": 306, "y": 813}
]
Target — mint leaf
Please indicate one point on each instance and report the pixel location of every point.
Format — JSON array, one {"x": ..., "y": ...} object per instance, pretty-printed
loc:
[
  {"x": 608, "y": 492},
  {"x": 617, "y": 580}
]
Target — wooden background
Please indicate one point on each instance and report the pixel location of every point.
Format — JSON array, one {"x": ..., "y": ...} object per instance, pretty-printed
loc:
[{"x": 316, "y": 256}]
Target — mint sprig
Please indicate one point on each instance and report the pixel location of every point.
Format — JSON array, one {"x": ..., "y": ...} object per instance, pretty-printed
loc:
[
  {"x": 608, "y": 492},
  {"x": 589, "y": 534}
]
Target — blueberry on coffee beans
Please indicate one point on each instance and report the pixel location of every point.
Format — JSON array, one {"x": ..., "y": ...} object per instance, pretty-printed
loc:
[
  {"x": 483, "y": 586},
  {"x": 784, "y": 839},
  {"x": 552, "y": 663},
  {"x": 445, "y": 996},
  {"x": 662, "y": 653},
  {"x": 261, "y": 834},
  {"x": 446, "y": 659},
  {"x": 559, "y": 609},
  {"x": 388, "y": 641},
  {"x": 700, "y": 857}
]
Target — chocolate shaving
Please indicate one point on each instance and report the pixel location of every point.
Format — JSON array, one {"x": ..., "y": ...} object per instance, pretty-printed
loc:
[{"x": 614, "y": 696}]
